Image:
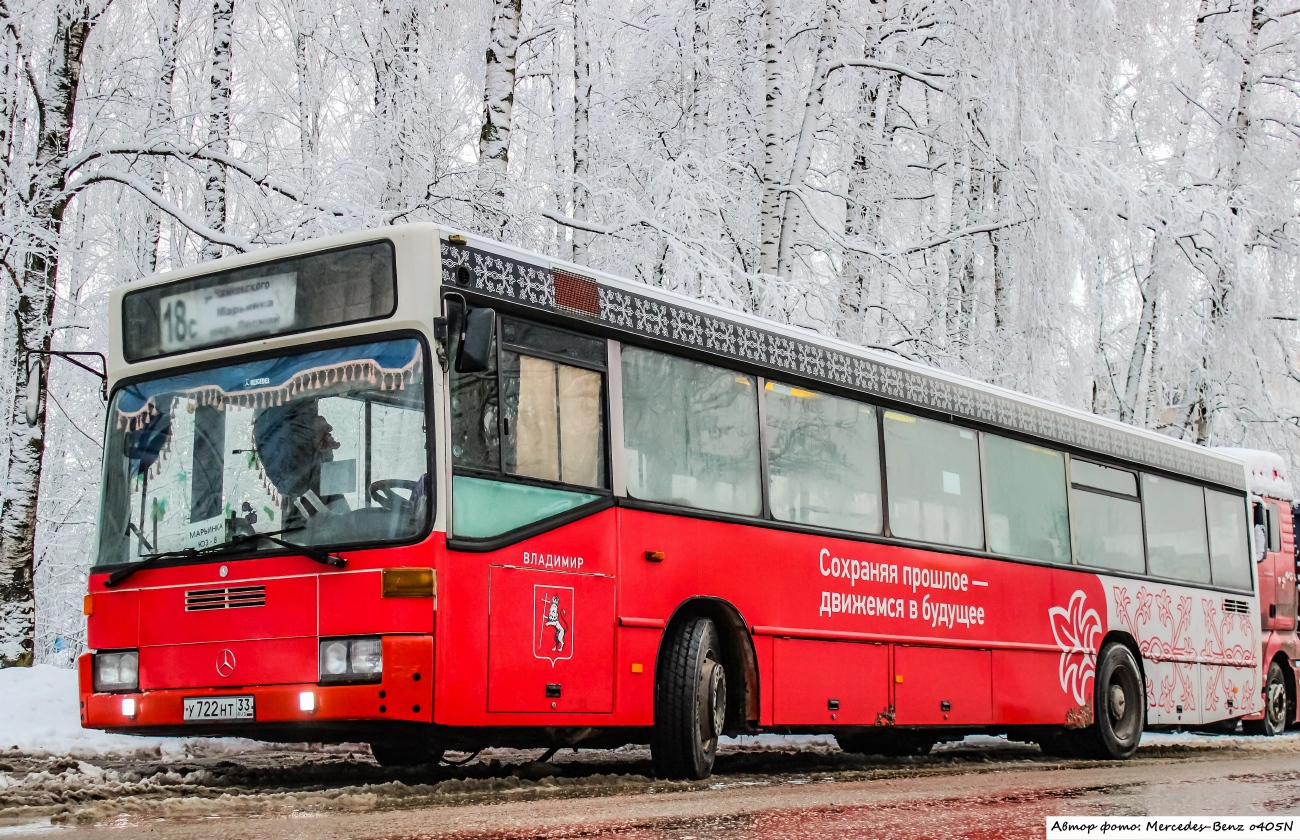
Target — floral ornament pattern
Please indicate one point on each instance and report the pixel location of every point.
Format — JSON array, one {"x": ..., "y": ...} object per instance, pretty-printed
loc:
[{"x": 1076, "y": 629}]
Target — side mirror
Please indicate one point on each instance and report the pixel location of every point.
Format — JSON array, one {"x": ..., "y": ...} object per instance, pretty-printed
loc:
[
  {"x": 33, "y": 406},
  {"x": 475, "y": 352},
  {"x": 1261, "y": 543}
]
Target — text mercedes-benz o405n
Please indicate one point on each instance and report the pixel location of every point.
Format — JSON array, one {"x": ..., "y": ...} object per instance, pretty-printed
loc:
[{"x": 423, "y": 490}]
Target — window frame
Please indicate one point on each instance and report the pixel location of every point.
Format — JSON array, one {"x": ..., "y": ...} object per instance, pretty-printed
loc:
[
  {"x": 160, "y": 288},
  {"x": 1205, "y": 524},
  {"x": 616, "y": 494},
  {"x": 605, "y": 492},
  {"x": 1069, "y": 517},
  {"x": 1070, "y": 487},
  {"x": 431, "y": 420}
]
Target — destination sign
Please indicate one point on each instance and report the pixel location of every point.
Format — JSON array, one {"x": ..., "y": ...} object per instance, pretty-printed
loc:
[
  {"x": 227, "y": 312},
  {"x": 311, "y": 291}
]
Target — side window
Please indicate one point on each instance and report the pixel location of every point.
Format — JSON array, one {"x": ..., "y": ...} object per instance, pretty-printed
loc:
[
  {"x": 533, "y": 421},
  {"x": 1024, "y": 488},
  {"x": 690, "y": 433},
  {"x": 1175, "y": 519},
  {"x": 823, "y": 459},
  {"x": 1106, "y": 517},
  {"x": 1274, "y": 527},
  {"x": 933, "y": 477},
  {"x": 1229, "y": 550}
]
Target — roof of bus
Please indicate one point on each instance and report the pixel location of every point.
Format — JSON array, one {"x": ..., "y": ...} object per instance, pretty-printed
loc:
[{"x": 537, "y": 281}]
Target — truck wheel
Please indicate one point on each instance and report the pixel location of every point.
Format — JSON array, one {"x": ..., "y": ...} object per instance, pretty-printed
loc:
[
  {"x": 1275, "y": 705},
  {"x": 690, "y": 702},
  {"x": 1119, "y": 707},
  {"x": 409, "y": 754}
]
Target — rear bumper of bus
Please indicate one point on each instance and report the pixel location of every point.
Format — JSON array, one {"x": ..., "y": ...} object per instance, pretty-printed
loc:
[{"x": 403, "y": 695}]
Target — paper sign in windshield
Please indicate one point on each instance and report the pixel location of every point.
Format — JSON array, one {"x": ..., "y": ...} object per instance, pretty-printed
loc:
[{"x": 228, "y": 312}]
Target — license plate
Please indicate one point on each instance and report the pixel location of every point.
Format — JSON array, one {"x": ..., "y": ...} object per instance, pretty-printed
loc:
[{"x": 219, "y": 708}]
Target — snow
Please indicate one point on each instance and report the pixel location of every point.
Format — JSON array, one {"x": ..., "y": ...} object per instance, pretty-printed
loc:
[
  {"x": 1267, "y": 471},
  {"x": 40, "y": 706}
]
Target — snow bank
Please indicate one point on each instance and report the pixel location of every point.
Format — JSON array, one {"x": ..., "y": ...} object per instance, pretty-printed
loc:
[
  {"x": 39, "y": 713},
  {"x": 1267, "y": 471}
]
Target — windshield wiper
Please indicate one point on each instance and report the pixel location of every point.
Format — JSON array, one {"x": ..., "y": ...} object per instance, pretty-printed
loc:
[{"x": 242, "y": 539}]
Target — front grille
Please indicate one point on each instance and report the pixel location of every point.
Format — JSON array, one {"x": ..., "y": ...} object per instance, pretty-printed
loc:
[
  {"x": 1231, "y": 606},
  {"x": 229, "y": 598}
]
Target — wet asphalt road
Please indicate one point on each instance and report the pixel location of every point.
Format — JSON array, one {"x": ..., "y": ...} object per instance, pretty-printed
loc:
[{"x": 1006, "y": 794}]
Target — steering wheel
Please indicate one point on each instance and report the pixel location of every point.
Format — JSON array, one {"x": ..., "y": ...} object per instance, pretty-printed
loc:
[{"x": 382, "y": 492}]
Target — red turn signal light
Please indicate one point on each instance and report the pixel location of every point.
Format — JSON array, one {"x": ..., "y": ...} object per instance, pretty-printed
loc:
[{"x": 410, "y": 583}]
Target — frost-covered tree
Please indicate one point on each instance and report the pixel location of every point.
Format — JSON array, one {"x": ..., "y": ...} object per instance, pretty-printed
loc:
[{"x": 1092, "y": 202}]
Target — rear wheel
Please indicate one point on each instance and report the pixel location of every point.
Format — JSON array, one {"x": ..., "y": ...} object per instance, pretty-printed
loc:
[
  {"x": 691, "y": 702},
  {"x": 1275, "y": 705},
  {"x": 408, "y": 754},
  {"x": 1119, "y": 708}
]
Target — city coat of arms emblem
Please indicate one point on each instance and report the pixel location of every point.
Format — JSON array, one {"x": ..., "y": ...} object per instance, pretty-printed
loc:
[{"x": 553, "y": 623}]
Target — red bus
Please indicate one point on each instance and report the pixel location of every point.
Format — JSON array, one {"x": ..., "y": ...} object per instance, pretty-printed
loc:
[
  {"x": 1274, "y": 530},
  {"x": 424, "y": 490}
]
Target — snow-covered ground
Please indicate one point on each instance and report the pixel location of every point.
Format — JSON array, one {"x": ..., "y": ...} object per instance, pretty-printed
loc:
[
  {"x": 39, "y": 715},
  {"x": 54, "y": 772}
]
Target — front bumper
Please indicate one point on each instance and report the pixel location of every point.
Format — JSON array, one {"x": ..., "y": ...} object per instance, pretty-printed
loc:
[{"x": 404, "y": 694}]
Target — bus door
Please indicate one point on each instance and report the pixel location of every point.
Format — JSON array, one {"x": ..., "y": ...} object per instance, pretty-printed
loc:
[
  {"x": 1281, "y": 543},
  {"x": 1277, "y": 585},
  {"x": 528, "y": 449}
]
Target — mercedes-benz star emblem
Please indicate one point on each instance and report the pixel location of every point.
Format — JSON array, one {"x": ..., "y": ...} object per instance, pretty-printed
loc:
[{"x": 225, "y": 662}]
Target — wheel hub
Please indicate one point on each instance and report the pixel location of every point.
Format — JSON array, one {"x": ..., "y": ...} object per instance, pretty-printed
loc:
[{"x": 1118, "y": 702}]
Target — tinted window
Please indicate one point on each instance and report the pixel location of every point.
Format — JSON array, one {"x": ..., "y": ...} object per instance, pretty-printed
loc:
[
  {"x": 1229, "y": 552},
  {"x": 1103, "y": 478},
  {"x": 358, "y": 283},
  {"x": 1176, "y": 541},
  {"x": 823, "y": 460},
  {"x": 690, "y": 433},
  {"x": 1025, "y": 490},
  {"x": 1107, "y": 531},
  {"x": 933, "y": 474},
  {"x": 529, "y": 336}
]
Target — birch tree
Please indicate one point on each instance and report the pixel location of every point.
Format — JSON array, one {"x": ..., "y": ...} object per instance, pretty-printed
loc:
[{"x": 33, "y": 264}]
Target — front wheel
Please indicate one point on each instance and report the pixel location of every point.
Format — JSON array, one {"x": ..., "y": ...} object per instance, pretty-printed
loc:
[
  {"x": 1275, "y": 705},
  {"x": 690, "y": 702}
]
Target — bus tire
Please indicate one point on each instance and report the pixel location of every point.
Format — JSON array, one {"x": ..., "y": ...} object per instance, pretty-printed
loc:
[
  {"x": 405, "y": 754},
  {"x": 1275, "y": 705},
  {"x": 691, "y": 702},
  {"x": 1119, "y": 707}
]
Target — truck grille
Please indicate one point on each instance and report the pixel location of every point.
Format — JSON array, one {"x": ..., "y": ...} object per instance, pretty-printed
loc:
[
  {"x": 1231, "y": 606},
  {"x": 228, "y": 598}
]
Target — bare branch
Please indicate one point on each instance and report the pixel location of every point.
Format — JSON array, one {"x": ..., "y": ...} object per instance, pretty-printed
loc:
[
  {"x": 142, "y": 186},
  {"x": 925, "y": 77}
]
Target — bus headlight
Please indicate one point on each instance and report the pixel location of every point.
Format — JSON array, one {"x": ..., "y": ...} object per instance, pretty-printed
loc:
[
  {"x": 351, "y": 660},
  {"x": 367, "y": 656},
  {"x": 117, "y": 671}
]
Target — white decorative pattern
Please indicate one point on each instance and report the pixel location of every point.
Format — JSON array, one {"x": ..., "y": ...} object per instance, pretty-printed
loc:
[
  {"x": 1076, "y": 629},
  {"x": 502, "y": 277}
]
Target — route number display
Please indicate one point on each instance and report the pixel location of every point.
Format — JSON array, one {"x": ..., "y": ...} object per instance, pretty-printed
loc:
[{"x": 228, "y": 312}]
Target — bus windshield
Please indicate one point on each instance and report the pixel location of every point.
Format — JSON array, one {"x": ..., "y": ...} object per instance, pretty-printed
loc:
[{"x": 330, "y": 445}]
